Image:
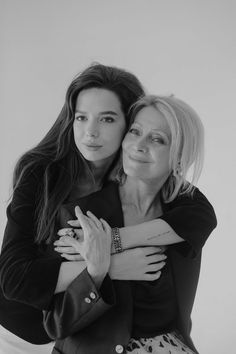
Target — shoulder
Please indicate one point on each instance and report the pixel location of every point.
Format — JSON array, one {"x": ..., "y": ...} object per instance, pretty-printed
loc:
[{"x": 29, "y": 184}]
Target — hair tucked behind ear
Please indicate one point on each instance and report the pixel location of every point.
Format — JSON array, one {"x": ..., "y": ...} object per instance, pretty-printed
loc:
[
  {"x": 187, "y": 143},
  {"x": 57, "y": 153}
]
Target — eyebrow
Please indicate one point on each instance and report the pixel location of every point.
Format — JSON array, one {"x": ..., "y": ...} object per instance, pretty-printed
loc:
[
  {"x": 155, "y": 130},
  {"x": 103, "y": 112}
]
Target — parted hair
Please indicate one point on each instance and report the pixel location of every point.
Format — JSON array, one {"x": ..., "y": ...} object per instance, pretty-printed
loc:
[{"x": 57, "y": 153}]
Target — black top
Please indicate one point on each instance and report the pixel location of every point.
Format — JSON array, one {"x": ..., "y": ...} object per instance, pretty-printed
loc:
[
  {"x": 154, "y": 305},
  {"x": 28, "y": 273},
  {"x": 99, "y": 325}
]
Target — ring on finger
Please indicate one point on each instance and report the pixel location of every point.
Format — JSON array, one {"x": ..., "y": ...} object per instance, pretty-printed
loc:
[{"x": 73, "y": 234}]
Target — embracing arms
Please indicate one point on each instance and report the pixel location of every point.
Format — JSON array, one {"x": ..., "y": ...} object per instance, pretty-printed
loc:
[
  {"x": 191, "y": 217},
  {"x": 187, "y": 218},
  {"x": 29, "y": 275}
]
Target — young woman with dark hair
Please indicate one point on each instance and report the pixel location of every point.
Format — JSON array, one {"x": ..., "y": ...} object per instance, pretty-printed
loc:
[
  {"x": 100, "y": 312},
  {"x": 73, "y": 160}
]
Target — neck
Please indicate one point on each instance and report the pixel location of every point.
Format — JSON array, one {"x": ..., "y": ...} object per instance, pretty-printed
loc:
[
  {"x": 145, "y": 195},
  {"x": 98, "y": 169}
]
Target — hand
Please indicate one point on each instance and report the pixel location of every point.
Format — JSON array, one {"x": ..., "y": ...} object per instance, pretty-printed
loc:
[
  {"x": 96, "y": 245},
  {"x": 64, "y": 247},
  {"x": 143, "y": 263}
]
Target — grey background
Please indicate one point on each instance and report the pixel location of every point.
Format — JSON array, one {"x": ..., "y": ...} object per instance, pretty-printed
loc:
[{"x": 183, "y": 47}]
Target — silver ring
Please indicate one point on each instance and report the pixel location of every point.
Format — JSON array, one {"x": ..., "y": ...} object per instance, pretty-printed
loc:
[{"x": 71, "y": 233}]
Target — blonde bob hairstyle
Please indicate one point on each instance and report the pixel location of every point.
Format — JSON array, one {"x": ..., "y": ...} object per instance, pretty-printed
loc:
[{"x": 187, "y": 143}]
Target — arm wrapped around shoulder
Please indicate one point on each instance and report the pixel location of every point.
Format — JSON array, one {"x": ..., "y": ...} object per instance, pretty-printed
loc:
[{"x": 193, "y": 218}]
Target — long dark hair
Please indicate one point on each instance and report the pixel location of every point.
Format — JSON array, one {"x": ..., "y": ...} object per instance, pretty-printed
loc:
[{"x": 57, "y": 152}]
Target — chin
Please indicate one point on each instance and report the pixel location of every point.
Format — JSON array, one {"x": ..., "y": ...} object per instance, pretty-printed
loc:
[{"x": 131, "y": 172}]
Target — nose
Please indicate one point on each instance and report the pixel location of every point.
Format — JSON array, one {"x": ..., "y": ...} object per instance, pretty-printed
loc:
[
  {"x": 141, "y": 145},
  {"x": 92, "y": 130}
]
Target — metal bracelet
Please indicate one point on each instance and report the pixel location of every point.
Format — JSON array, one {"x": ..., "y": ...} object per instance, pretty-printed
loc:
[{"x": 115, "y": 233}]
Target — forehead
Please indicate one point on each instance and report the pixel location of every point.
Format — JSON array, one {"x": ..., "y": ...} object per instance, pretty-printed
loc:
[
  {"x": 152, "y": 119},
  {"x": 97, "y": 99}
]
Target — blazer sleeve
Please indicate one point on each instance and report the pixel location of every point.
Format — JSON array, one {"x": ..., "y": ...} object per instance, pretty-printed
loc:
[
  {"x": 193, "y": 218},
  {"x": 77, "y": 307},
  {"x": 27, "y": 274}
]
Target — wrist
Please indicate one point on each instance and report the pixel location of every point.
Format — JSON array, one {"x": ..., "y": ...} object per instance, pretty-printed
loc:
[
  {"x": 116, "y": 240},
  {"x": 127, "y": 237},
  {"x": 97, "y": 277}
]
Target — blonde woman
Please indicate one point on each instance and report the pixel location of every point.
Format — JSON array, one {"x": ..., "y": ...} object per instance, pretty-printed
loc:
[
  {"x": 102, "y": 312},
  {"x": 72, "y": 160}
]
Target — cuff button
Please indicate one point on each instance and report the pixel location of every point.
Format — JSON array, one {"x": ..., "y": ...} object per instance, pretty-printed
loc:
[{"x": 119, "y": 348}]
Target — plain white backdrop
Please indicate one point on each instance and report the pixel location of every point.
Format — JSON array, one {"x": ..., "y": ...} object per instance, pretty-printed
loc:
[{"x": 184, "y": 47}]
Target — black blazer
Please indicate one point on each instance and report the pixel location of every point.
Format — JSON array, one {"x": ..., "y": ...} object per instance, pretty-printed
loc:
[
  {"x": 99, "y": 323},
  {"x": 29, "y": 272}
]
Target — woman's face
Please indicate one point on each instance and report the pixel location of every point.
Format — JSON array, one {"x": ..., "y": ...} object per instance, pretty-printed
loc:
[
  {"x": 99, "y": 125},
  {"x": 146, "y": 146}
]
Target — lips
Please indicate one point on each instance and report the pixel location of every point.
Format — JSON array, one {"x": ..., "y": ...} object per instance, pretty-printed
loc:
[
  {"x": 92, "y": 147},
  {"x": 137, "y": 159}
]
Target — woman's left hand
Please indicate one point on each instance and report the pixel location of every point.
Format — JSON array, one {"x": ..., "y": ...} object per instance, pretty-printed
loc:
[
  {"x": 65, "y": 247},
  {"x": 94, "y": 247}
]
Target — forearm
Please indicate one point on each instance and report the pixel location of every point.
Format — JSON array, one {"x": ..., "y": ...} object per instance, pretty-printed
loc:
[
  {"x": 189, "y": 218},
  {"x": 79, "y": 306},
  {"x": 151, "y": 233},
  {"x": 27, "y": 278},
  {"x": 71, "y": 270},
  {"x": 68, "y": 272}
]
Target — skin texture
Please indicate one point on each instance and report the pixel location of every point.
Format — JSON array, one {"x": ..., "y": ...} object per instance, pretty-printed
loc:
[
  {"x": 99, "y": 125},
  {"x": 146, "y": 147},
  {"x": 146, "y": 163}
]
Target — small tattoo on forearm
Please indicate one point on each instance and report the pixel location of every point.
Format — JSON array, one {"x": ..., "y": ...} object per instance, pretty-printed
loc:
[{"x": 158, "y": 235}]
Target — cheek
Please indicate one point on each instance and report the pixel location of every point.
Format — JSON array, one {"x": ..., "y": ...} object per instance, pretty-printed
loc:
[
  {"x": 166, "y": 167},
  {"x": 115, "y": 137},
  {"x": 162, "y": 160},
  {"x": 125, "y": 143},
  {"x": 77, "y": 134}
]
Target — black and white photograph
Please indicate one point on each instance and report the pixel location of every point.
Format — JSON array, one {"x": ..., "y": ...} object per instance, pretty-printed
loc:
[{"x": 117, "y": 222}]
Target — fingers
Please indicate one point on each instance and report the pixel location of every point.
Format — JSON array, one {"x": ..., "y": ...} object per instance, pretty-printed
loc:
[
  {"x": 75, "y": 233},
  {"x": 83, "y": 219},
  {"x": 152, "y": 250},
  {"x": 155, "y": 267},
  {"x": 96, "y": 221},
  {"x": 74, "y": 223},
  {"x": 72, "y": 257},
  {"x": 106, "y": 226},
  {"x": 162, "y": 249},
  {"x": 155, "y": 258},
  {"x": 64, "y": 249},
  {"x": 152, "y": 276},
  {"x": 65, "y": 231},
  {"x": 68, "y": 241}
]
